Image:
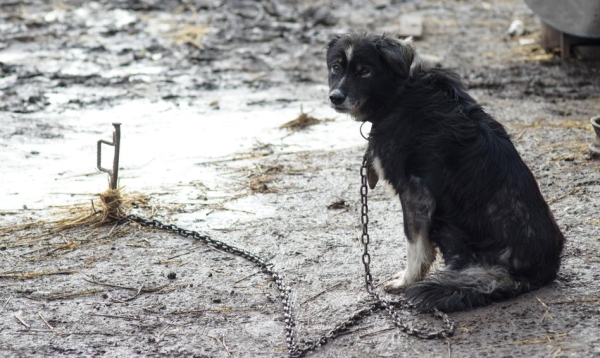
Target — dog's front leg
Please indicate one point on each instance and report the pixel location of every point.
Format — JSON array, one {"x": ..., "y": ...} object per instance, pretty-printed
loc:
[{"x": 418, "y": 206}]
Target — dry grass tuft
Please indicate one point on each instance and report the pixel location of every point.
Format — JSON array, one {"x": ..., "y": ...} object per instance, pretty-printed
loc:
[
  {"x": 260, "y": 182},
  {"x": 303, "y": 121},
  {"x": 338, "y": 204},
  {"x": 191, "y": 34},
  {"x": 112, "y": 207}
]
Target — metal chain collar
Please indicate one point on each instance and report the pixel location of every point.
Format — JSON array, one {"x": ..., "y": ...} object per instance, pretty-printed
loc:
[{"x": 377, "y": 303}]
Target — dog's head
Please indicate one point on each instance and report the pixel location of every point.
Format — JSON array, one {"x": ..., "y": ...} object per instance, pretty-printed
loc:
[{"x": 365, "y": 71}]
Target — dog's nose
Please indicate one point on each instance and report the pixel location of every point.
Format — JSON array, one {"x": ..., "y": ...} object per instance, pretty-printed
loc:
[{"x": 337, "y": 97}]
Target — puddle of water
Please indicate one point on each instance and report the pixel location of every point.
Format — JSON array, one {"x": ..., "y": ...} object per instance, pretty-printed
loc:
[{"x": 162, "y": 144}]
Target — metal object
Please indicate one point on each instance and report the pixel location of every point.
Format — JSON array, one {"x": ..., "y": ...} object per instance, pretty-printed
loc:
[
  {"x": 114, "y": 173},
  {"x": 377, "y": 303},
  {"x": 568, "y": 25},
  {"x": 595, "y": 145},
  {"x": 575, "y": 17},
  {"x": 449, "y": 327},
  {"x": 568, "y": 44}
]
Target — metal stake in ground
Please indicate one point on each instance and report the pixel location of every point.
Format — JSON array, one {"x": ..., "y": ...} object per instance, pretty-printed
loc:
[{"x": 114, "y": 173}]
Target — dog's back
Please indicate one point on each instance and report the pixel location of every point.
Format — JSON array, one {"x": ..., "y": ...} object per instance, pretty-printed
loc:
[
  {"x": 491, "y": 223},
  {"x": 463, "y": 186}
]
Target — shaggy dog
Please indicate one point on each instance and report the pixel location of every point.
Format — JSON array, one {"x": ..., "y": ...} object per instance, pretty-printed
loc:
[{"x": 463, "y": 187}]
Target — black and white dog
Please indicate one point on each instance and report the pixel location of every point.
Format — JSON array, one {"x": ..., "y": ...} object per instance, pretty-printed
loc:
[{"x": 463, "y": 187}]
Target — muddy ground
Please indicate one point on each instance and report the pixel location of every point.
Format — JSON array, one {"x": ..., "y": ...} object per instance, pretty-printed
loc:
[{"x": 201, "y": 88}]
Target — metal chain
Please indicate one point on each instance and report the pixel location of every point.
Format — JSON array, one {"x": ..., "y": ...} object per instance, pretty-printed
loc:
[
  {"x": 284, "y": 291},
  {"x": 447, "y": 330}
]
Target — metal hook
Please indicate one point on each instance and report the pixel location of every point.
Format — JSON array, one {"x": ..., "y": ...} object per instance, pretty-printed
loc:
[{"x": 114, "y": 173}]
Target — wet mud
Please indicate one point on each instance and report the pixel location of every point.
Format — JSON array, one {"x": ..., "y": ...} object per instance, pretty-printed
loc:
[{"x": 203, "y": 89}]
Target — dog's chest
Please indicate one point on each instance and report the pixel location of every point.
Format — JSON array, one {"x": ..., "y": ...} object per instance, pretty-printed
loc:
[{"x": 377, "y": 165}]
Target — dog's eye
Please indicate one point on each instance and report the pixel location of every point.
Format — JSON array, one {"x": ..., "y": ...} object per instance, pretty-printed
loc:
[
  {"x": 364, "y": 72},
  {"x": 335, "y": 68}
]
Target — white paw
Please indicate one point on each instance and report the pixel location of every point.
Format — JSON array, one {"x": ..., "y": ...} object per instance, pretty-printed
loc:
[
  {"x": 397, "y": 275},
  {"x": 398, "y": 282}
]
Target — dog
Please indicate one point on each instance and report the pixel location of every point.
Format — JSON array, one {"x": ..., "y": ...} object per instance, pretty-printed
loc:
[{"x": 462, "y": 185}]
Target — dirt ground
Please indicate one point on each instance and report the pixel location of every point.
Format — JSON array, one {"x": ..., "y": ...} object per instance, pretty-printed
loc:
[{"x": 202, "y": 87}]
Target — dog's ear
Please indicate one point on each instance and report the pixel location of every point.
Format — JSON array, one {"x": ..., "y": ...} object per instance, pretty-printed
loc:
[
  {"x": 397, "y": 54},
  {"x": 334, "y": 40}
]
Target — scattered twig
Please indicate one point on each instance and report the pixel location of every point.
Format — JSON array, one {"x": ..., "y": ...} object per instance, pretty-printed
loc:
[
  {"x": 112, "y": 229},
  {"x": 31, "y": 275},
  {"x": 583, "y": 300},
  {"x": 103, "y": 321},
  {"x": 355, "y": 330},
  {"x": 5, "y": 303},
  {"x": 179, "y": 255},
  {"x": 165, "y": 262},
  {"x": 376, "y": 332},
  {"x": 449, "y": 342},
  {"x": 233, "y": 159},
  {"x": 220, "y": 309},
  {"x": 130, "y": 298},
  {"x": 188, "y": 311},
  {"x": 19, "y": 227},
  {"x": 225, "y": 229},
  {"x": 116, "y": 316},
  {"x": 143, "y": 289},
  {"x": 533, "y": 340},
  {"x": 45, "y": 322},
  {"x": 223, "y": 343},
  {"x": 36, "y": 330},
  {"x": 20, "y": 320},
  {"x": 77, "y": 176},
  {"x": 322, "y": 292},
  {"x": 562, "y": 196},
  {"x": 546, "y": 310},
  {"x": 161, "y": 333},
  {"x": 64, "y": 296},
  {"x": 340, "y": 212},
  {"x": 558, "y": 351},
  {"x": 247, "y": 277},
  {"x": 300, "y": 192}
]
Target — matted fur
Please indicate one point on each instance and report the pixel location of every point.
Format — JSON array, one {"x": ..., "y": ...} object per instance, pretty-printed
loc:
[{"x": 463, "y": 187}]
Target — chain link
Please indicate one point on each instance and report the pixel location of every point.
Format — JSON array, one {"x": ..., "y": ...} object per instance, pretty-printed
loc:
[
  {"x": 377, "y": 303},
  {"x": 284, "y": 291},
  {"x": 448, "y": 325}
]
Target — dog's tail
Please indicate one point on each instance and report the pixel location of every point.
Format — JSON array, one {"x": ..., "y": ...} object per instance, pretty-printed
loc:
[{"x": 464, "y": 289}]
